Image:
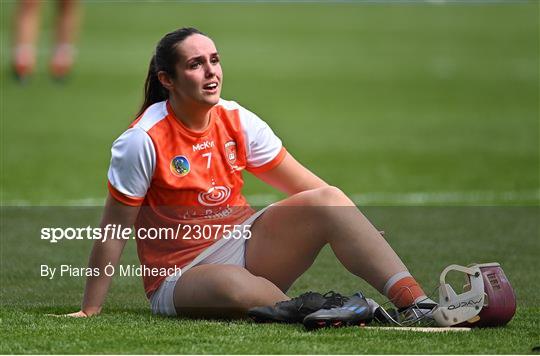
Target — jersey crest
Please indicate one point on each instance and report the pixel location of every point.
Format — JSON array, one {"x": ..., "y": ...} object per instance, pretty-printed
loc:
[{"x": 230, "y": 152}]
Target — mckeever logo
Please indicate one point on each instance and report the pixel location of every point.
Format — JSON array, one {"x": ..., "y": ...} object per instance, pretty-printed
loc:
[{"x": 203, "y": 146}]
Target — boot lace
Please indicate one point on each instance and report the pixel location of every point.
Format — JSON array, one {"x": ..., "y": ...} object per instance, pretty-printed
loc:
[
  {"x": 298, "y": 301},
  {"x": 334, "y": 300}
]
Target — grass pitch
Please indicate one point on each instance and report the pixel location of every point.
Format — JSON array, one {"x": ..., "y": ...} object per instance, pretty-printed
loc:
[
  {"x": 384, "y": 98},
  {"x": 428, "y": 239}
]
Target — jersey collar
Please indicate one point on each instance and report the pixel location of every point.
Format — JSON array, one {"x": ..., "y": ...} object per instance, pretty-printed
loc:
[{"x": 181, "y": 127}]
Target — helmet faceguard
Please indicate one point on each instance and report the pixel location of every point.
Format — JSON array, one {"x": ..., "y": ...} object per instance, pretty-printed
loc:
[{"x": 487, "y": 299}]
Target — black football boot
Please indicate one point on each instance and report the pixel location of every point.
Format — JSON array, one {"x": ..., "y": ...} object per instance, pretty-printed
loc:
[
  {"x": 296, "y": 309},
  {"x": 356, "y": 311}
]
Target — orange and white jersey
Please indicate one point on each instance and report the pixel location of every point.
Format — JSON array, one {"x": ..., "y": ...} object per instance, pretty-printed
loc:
[{"x": 180, "y": 177}]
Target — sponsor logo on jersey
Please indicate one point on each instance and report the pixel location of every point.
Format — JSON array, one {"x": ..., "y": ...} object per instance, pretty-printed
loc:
[
  {"x": 230, "y": 152},
  {"x": 203, "y": 146},
  {"x": 214, "y": 196},
  {"x": 180, "y": 166}
]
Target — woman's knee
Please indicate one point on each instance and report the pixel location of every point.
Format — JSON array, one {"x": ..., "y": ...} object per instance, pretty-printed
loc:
[
  {"x": 327, "y": 196},
  {"x": 321, "y": 206}
]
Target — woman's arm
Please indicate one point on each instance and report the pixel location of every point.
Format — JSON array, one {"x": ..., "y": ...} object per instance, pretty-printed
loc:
[
  {"x": 291, "y": 177},
  {"x": 104, "y": 253}
]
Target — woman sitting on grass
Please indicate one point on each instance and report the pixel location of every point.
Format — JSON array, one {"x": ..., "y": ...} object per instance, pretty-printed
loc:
[{"x": 180, "y": 164}]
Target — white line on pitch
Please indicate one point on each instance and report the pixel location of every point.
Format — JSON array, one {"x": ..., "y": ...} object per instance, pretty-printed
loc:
[
  {"x": 411, "y": 198},
  {"x": 426, "y": 198}
]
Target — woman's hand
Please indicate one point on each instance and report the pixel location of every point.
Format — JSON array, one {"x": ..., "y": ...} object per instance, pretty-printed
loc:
[{"x": 79, "y": 314}]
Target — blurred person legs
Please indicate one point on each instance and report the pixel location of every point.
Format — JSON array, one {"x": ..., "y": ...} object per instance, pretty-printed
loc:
[
  {"x": 26, "y": 33},
  {"x": 67, "y": 25}
]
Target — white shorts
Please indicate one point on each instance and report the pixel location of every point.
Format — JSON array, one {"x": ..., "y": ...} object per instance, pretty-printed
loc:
[{"x": 225, "y": 252}]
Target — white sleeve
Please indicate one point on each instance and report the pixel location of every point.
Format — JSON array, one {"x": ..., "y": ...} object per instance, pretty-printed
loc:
[
  {"x": 133, "y": 162},
  {"x": 262, "y": 144}
]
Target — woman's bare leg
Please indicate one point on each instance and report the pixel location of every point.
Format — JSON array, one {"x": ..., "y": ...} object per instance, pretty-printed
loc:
[
  {"x": 285, "y": 241},
  {"x": 222, "y": 291},
  {"x": 288, "y": 236}
]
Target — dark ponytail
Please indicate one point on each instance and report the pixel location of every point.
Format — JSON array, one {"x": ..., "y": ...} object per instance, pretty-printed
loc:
[
  {"x": 164, "y": 59},
  {"x": 154, "y": 92}
]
